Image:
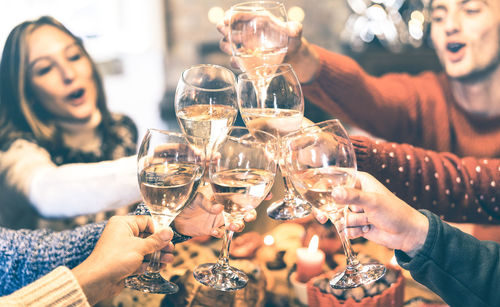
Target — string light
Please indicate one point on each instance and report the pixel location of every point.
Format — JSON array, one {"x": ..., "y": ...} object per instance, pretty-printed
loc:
[{"x": 395, "y": 23}]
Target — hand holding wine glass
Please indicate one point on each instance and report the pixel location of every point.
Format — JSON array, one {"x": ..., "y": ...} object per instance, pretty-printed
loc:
[
  {"x": 169, "y": 170},
  {"x": 319, "y": 159},
  {"x": 241, "y": 177},
  {"x": 257, "y": 33}
]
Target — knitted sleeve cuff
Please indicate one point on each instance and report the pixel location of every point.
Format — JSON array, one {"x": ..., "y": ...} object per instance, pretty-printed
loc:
[
  {"x": 362, "y": 146},
  {"x": 58, "y": 288}
]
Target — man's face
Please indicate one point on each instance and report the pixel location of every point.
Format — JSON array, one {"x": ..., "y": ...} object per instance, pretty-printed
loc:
[{"x": 466, "y": 36}]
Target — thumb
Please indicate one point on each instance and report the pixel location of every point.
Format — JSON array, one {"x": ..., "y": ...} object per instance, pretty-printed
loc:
[
  {"x": 156, "y": 241},
  {"x": 346, "y": 196}
]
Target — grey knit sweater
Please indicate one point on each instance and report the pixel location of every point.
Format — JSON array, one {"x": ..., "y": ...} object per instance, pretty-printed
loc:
[{"x": 26, "y": 255}]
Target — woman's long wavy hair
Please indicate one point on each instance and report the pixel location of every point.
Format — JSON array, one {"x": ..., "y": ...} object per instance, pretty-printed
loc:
[{"x": 20, "y": 113}]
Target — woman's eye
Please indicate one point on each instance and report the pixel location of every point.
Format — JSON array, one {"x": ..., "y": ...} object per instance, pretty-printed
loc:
[
  {"x": 75, "y": 57},
  {"x": 42, "y": 71}
]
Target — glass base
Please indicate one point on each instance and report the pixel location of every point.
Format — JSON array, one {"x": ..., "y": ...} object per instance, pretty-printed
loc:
[
  {"x": 362, "y": 274},
  {"x": 295, "y": 209},
  {"x": 151, "y": 283},
  {"x": 223, "y": 278}
]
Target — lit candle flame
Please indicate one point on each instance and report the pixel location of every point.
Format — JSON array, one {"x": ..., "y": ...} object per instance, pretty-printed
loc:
[
  {"x": 313, "y": 244},
  {"x": 268, "y": 240}
]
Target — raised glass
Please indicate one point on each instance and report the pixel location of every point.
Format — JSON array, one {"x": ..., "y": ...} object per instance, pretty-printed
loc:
[
  {"x": 206, "y": 103},
  {"x": 257, "y": 33},
  {"x": 169, "y": 170},
  {"x": 318, "y": 159},
  {"x": 241, "y": 172},
  {"x": 278, "y": 111}
]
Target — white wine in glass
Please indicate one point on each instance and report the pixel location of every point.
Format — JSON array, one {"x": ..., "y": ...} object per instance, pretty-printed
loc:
[
  {"x": 318, "y": 159},
  {"x": 169, "y": 172},
  {"x": 258, "y": 37},
  {"x": 206, "y": 103},
  {"x": 257, "y": 33},
  {"x": 278, "y": 111},
  {"x": 241, "y": 177}
]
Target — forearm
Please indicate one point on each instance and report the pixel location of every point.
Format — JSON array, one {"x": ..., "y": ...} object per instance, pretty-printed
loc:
[
  {"x": 58, "y": 288},
  {"x": 344, "y": 90},
  {"x": 458, "y": 189},
  {"x": 461, "y": 269},
  {"x": 84, "y": 188},
  {"x": 27, "y": 255}
]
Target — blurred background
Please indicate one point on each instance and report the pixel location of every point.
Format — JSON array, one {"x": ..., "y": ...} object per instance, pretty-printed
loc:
[{"x": 142, "y": 46}]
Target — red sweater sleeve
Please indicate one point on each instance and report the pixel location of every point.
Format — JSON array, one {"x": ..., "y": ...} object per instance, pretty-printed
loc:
[
  {"x": 403, "y": 103},
  {"x": 457, "y": 189}
]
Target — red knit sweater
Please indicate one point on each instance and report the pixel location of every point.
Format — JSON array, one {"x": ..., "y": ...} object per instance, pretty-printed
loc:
[{"x": 456, "y": 171}]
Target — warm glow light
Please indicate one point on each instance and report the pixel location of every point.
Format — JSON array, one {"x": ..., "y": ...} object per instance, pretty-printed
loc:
[
  {"x": 417, "y": 15},
  {"x": 215, "y": 14},
  {"x": 268, "y": 240},
  {"x": 313, "y": 244},
  {"x": 295, "y": 13}
]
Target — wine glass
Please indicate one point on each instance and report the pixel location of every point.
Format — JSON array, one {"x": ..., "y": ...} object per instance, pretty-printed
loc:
[
  {"x": 241, "y": 172},
  {"x": 205, "y": 103},
  {"x": 319, "y": 158},
  {"x": 278, "y": 112},
  {"x": 169, "y": 170},
  {"x": 257, "y": 33},
  {"x": 258, "y": 37}
]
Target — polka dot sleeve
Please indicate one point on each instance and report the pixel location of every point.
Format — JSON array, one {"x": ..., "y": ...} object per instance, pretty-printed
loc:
[{"x": 457, "y": 189}]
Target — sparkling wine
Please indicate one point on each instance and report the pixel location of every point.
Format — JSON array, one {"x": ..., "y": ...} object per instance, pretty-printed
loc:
[
  {"x": 277, "y": 122},
  {"x": 206, "y": 121},
  {"x": 251, "y": 58},
  {"x": 317, "y": 184},
  {"x": 166, "y": 188},
  {"x": 241, "y": 190}
]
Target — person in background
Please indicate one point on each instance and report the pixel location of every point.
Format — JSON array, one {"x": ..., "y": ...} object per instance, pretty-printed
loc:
[
  {"x": 118, "y": 253},
  {"x": 62, "y": 152},
  {"x": 442, "y": 129},
  {"x": 462, "y": 270}
]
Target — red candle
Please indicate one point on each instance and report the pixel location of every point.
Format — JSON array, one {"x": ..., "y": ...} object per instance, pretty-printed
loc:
[{"x": 310, "y": 261}]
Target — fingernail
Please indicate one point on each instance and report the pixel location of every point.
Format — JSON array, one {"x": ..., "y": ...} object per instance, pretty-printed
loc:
[
  {"x": 365, "y": 228},
  {"x": 323, "y": 219},
  {"x": 166, "y": 234},
  {"x": 215, "y": 232},
  {"x": 339, "y": 193}
]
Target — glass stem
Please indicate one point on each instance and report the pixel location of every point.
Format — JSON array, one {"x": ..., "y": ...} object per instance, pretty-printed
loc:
[
  {"x": 159, "y": 222},
  {"x": 262, "y": 86},
  {"x": 224, "y": 253},
  {"x": 338, "y": 219},
  {"x": 289, "y": 195}
]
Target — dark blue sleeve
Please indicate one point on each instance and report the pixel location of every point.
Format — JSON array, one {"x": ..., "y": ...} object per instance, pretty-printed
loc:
[
  {"x": 26, "y": 255},
  {"x": 462, "y": 270}
]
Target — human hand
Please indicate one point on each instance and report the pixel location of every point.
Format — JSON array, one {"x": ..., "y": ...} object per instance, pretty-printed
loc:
[
  {"x": 292, "y": 28},
  {"x": 382, "y": 217},
  {"x": 120, "y": 253},
  {"x": 203, "y": 216}
]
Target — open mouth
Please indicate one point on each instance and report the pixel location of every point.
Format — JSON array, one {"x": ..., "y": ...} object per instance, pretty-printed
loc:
[
  {"x": 76, "y": 94},
  {"x": 454, "y": 47}
]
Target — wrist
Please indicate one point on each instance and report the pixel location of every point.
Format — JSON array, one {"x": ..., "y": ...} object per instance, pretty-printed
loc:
[
  {"x": 418, "y": 235},
  {"x": 305, "y": 61},
  {"x": 84, "y": 278}
]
